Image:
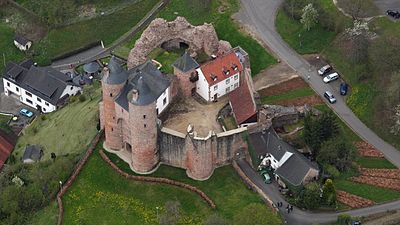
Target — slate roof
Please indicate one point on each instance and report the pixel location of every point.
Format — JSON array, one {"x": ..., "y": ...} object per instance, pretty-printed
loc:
[
  {"x": 214, "y": 70},
  {"x": 295, "y": 168},
  {"x": 185, "y": 63},
  {"x": 242, "y": 103},
  {"x": 117, "y": 74},
  {"x": 91, "y": 67},
  {"x": 148, "y": 81},
  {"x": 21, "y": 39},
  {"x": 7, "y": 143},
  {"x": 44, "y": 82},
  {"x": 33, "y": 152}
]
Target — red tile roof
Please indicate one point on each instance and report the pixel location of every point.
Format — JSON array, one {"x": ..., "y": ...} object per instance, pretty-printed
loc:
[
  {"x": 7, "y": 143},
  {"x": 214, "y": 70},
  {"x": 242, "y": 103}
]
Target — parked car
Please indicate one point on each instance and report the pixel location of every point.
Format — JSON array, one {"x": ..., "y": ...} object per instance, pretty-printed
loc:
[
  {"x": 343, "y": 88},
  {"x": 26, "y": 112},
  {"x": 324, "y": 70},
  {"x": 266, "y": 177},
  {"x": 394, "y": 14},
  {"x": 329, "y": 96},
  {"x": 331, "y": 77}
]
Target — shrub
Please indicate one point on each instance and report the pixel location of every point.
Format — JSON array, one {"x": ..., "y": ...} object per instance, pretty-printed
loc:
[
  {"x": 72, "y": 99},
  {"x": 343, "y": 219},
  {"x": 82, "y": 98},
  {"x": 331, "y": 170}
]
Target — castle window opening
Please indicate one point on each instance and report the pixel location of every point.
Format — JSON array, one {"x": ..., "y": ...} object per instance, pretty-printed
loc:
[
  {"x": 112, "y": 129},
  {"x": 164, "y": 101},
  {"x": 144, "y": 125},
  {"x": 144, "y": 116},
  {"x": 110, "y": 94}
]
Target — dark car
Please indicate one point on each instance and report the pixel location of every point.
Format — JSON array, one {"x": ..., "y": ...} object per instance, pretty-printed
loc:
[
  {"x": 343, "y": 88},
  {"x": 394, "y": 14}
]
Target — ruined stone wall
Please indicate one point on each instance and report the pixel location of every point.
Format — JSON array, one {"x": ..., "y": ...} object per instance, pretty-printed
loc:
[
  {"x": 184, "y": 84},
  {"x": 199, "y": 38}
]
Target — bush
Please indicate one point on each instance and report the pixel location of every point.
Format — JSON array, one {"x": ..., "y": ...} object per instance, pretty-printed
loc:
[
  {"x": 344, "y": 219},
  {"x": 82, "y": 98},
  {"x": 72, "y": 99},
  {"x": 331, "y": 171}
]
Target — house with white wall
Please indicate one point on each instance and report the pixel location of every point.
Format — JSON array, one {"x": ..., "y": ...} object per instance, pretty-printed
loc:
[
  {"x": 42, "y": 88},
  {"x": 219, "y": 76},
  {"x": 22, "y": 43}
]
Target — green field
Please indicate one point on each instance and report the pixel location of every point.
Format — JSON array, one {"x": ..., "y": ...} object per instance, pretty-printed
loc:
[
  {"x": 65, "y": 131},
  {"x": 293, "y": 94},
  {"x": 8, "y": 51},
  {"x": 226, "y": 28},
  {"x": 303, "y": 41},
  {"x": 101, "y": 196},
  {"x": 372, "y": 162}
]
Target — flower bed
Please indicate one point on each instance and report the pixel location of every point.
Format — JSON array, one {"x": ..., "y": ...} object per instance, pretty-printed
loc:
[
  {"x": 367, "y": 150},
  {"x": 378, "y": 181},
  {"x": 353, "y": 201},
  {"x": 385, "y": 173}
]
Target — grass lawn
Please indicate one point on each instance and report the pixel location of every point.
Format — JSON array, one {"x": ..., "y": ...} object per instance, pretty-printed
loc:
[
  {"x": 106, "y": 28},
  {"x": 101, "y": 196},
  {"x": 226, "y": 28},
  {"x": 303, "y": 41},
  {"x": 166, "y": 58},
  {"x": 4, "y": 123},
  {"x": 373, "y": 193},
  {"x": 7, "y": 49},
  {"x": 230, "y": 123},
  {"x": 372, "y": 162},
  {"x": 68, "y": 130},
  {"x": 297, "y": 93},
  {"x": 48, "y": 215}
]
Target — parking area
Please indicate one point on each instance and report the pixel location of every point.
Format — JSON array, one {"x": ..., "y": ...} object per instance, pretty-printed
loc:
[
  {"x": 384, "y": 5},
  {"x": 317, "y": 63}
]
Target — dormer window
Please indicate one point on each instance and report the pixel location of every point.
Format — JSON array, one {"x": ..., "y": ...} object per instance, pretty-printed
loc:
[
  {"x": 234, "y": 67},
  {"x": 226, "y": 71},
  {"x": 213, "y": 77}
]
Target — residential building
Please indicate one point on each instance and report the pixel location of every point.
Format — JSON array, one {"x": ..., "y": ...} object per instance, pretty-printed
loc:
[{"x": 42, "y": 88}]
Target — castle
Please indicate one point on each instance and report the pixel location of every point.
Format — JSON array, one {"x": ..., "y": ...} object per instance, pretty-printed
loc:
[{"x": 133, "y": 99}]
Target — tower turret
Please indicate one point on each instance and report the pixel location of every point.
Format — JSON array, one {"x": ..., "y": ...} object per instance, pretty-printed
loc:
[{"x": 114, "y": 79}]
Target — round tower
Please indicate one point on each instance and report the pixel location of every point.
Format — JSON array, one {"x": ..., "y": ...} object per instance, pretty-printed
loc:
[
  {"x": 143, "y": 127},
  {"x": 199, "y": 157},
  {"x": 114, "y": 79}
]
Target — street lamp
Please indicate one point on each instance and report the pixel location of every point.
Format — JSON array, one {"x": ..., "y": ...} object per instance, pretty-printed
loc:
[
  {"x": 300, "y": 38},
  {"x": 60, "y": 182},
  {"x": 157, "y": 211}
]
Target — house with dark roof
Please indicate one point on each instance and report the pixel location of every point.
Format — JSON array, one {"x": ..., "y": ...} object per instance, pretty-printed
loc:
[
  {"x": 220, "y": 76},
  {"x": 7, "y": 143},
  {"x": 42, "y": 88},
  {"x": 244, "y": 108},
  {"x": 290, "y": 166},
  {"x": 32, "y": 154},
  {"x": 22, "y": 43}
]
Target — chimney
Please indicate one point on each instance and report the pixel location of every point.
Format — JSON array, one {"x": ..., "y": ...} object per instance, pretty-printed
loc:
[{"x": 135, "y": 94}]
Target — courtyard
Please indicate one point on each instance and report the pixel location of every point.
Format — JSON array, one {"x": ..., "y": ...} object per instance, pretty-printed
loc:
[{"x": 203, "y": 117}]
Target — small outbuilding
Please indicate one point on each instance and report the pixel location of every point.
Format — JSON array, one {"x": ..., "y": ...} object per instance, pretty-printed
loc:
[
  {"x": 32, "y": 154},
  {"x": 22, "y": 43}
]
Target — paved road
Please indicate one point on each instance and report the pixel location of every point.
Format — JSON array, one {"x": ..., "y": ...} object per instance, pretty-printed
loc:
[
  {"x": 384, "y": 5},
  {"x": 98, "y": 52},
  {"x": 260, "y": 14},
  {"x": 301, "y": 217}
]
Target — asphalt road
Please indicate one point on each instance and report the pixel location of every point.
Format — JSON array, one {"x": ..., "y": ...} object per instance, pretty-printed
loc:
[
  {"x": 260, "y": 14},
  {"x": 302, "y": 217}
]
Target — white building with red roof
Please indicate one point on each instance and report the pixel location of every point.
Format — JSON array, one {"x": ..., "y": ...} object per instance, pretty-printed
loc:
[{"x": 220, "y": 76}]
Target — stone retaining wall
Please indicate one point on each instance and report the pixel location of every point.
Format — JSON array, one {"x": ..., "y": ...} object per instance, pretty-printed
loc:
[{"x": 159, "y": 180}]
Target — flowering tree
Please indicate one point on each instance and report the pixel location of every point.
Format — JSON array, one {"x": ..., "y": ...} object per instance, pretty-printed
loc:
[
  {"x": 395, "y": 129},
  {"x": 309, "y": 17}
]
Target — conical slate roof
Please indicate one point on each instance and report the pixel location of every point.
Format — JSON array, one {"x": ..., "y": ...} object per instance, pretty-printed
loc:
[
  {"x": 185, "y": 63},
  {"x": 117, "y": 75},
  {"x": 91, "y": 67}
]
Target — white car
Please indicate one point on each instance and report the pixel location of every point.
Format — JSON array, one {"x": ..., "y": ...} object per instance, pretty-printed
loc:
[
  {"x": 324, "y": 70},
  {"x": 331, "y": 77}
]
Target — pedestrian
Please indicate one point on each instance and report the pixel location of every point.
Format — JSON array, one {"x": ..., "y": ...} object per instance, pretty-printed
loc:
[
  {"x": 291, "y": 208},
  {"x": 287, "y": 206},
  {"x": 288, "y": 210},
  {"x": 308, "y": 77}
]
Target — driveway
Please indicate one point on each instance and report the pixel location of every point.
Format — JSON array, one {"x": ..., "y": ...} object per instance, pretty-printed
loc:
[{"x": 384, "y": 5}]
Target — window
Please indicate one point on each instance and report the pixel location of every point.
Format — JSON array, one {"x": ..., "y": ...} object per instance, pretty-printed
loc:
[
  {"x": 228, "y": 89},
  {"x": 16, "y": 88},
  {"x": 8, "y": 84},
  {"x": 236, "y": 85},
  {"x": 144, "y": 125},
  {"x": 29, "y": 101},
  {"x": 72, "y": 88},
  {"x": 39, "y": 100},
  {"x": 215, "y": 87},
  {"x": 110, "y": 94},
  {"x": 47, "y": 104},
  {"x": 144, "y": 116},
  {"x": 164, "y": 101},
  {"x": 227, "y": 81},
  {"x": 236, "y": 77},
  {"x": 112, "y": 129},
  {"x": 44, "y": 109},
  {"x": 29, "y": 94}
]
